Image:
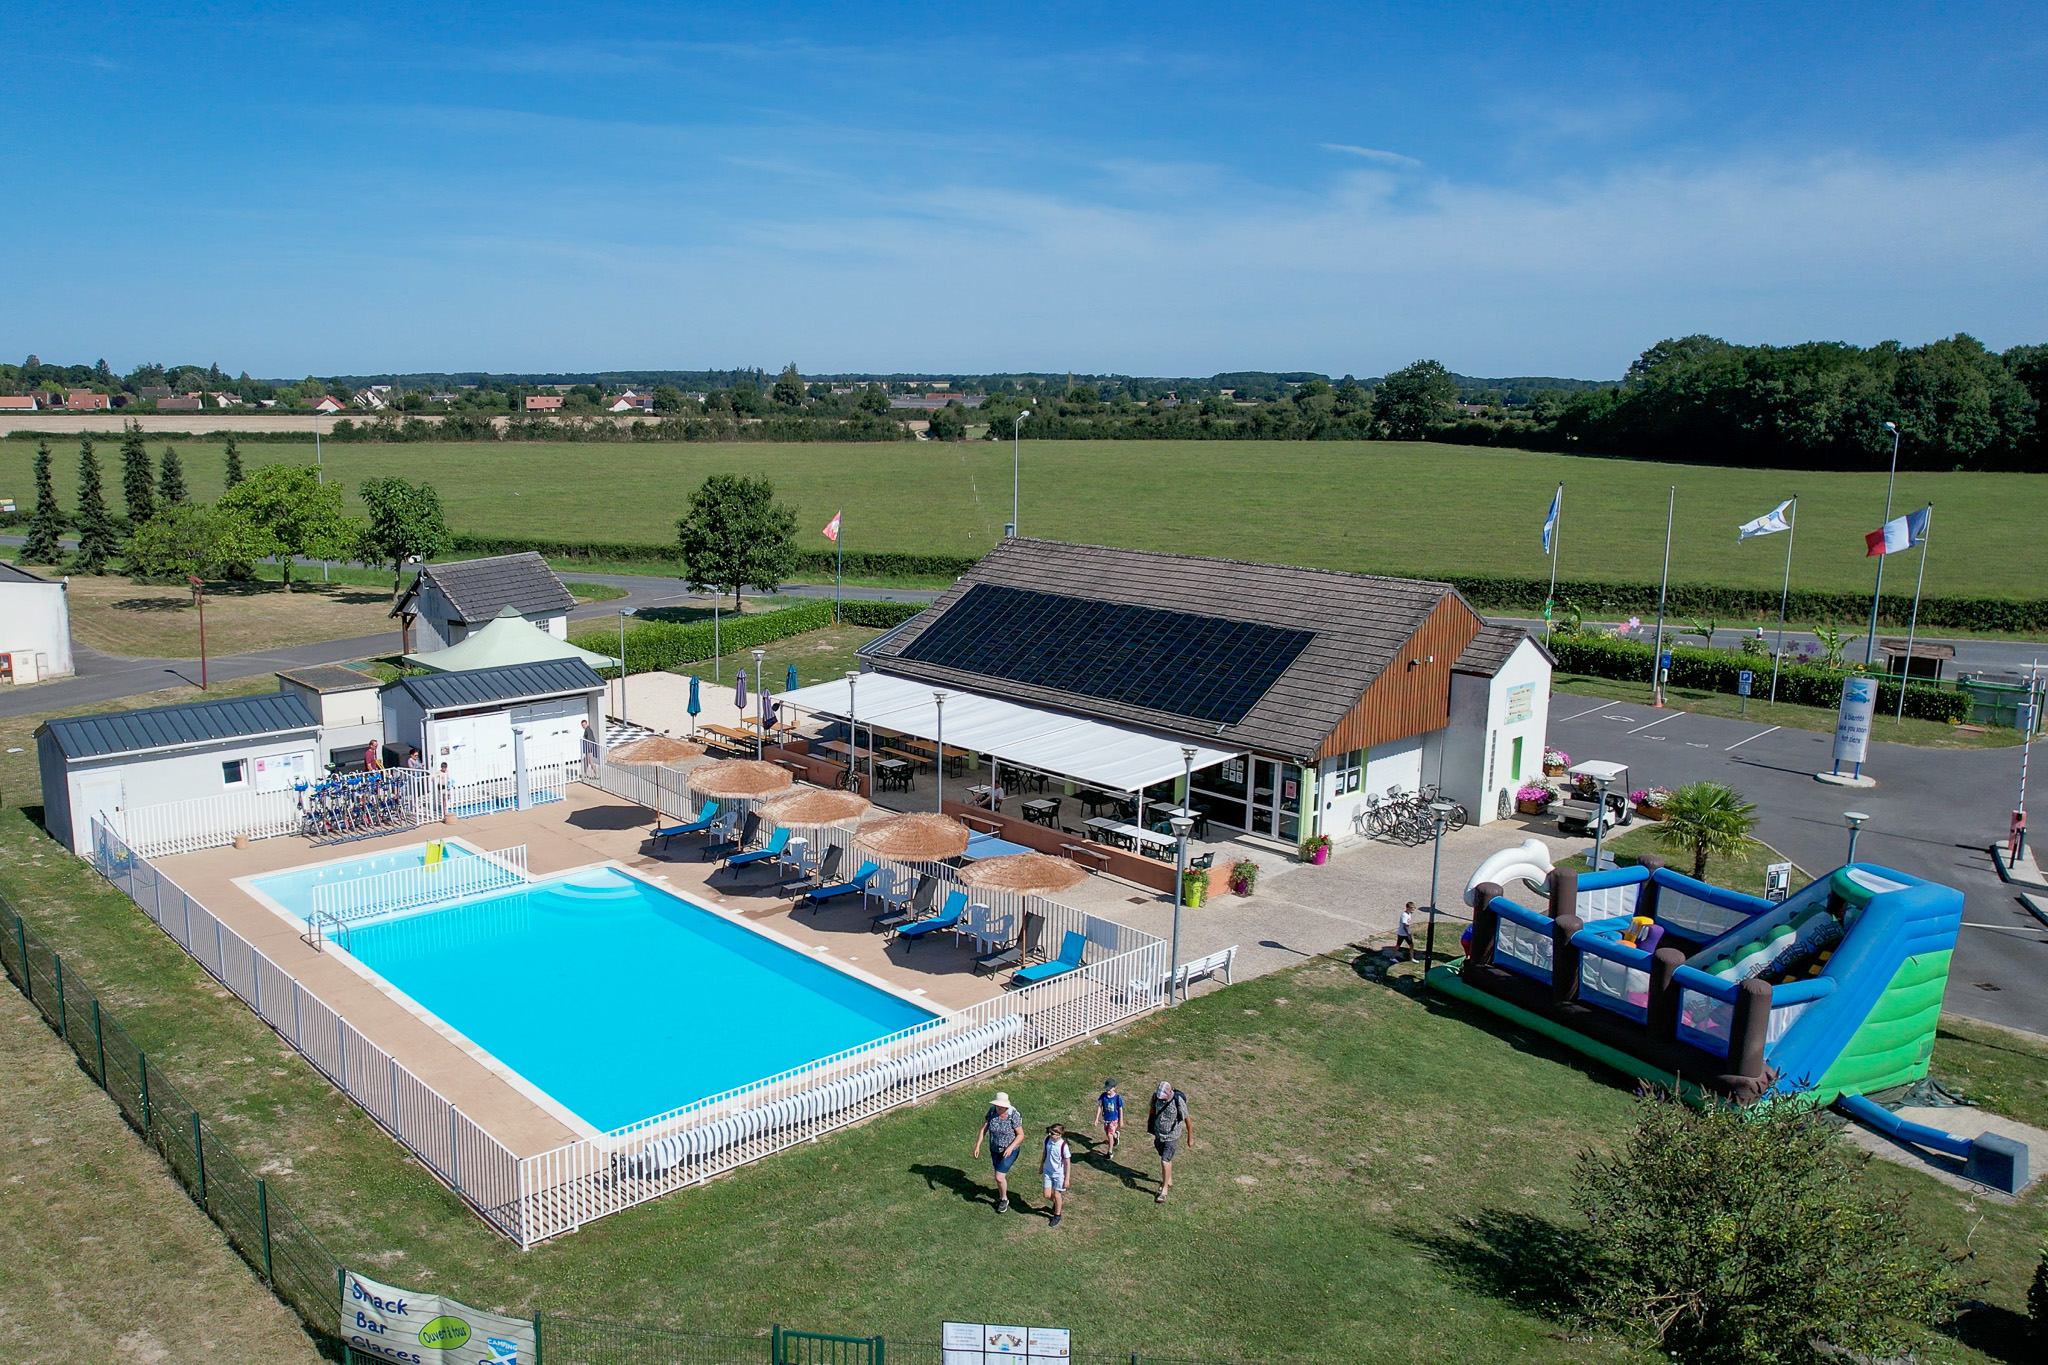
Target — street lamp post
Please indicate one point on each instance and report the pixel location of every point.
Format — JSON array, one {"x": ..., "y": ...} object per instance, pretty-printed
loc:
[
  {"x": 623, "y": 614},
  {"x": 939, "y": 768},
  {"x": 852, "y": 729},
  {"x": 199, "y": 601},
  {"x": 1854, "y": 819},
  {"x": 1441, "y": 810},
  {"x": 1870, "y": 645},
  {"x": 1016, "y": 465},
  {"x": 1182, "y": 824},
  {"x": 1599, "y": 817},
  {"x": 761, "y": 701}
]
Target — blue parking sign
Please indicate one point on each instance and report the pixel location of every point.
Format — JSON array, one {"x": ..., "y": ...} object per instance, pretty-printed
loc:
[
  {"x": 1742, "y": 680},
  {"x": 1665, "y": 662}
]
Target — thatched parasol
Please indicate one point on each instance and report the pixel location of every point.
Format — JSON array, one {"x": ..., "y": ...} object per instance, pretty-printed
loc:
[
  {"x": 656, "y": 749},
  {"x": 738, "y": 779},
  {"x": 920, "y": 838},
  {"x": 1023, "y": 874},
  {"x": 815, "y": 808}
]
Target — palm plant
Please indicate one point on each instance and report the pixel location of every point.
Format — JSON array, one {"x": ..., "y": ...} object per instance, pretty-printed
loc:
[{"x": 1706, "y": 819}]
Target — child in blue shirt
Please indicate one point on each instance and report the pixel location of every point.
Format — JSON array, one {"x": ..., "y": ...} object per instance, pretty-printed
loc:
[{"x": 1111, "y": 1106}]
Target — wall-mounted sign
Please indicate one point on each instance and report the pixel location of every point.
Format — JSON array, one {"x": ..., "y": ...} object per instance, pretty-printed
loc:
[{"x": 1521, "y": 702}]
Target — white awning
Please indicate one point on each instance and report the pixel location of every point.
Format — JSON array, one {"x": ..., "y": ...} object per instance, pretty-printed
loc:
[{"x": 1113, "y": 757}]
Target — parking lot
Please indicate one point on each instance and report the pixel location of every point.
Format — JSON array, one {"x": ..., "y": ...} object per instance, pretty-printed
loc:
[{"x": 1934, "y": 813}]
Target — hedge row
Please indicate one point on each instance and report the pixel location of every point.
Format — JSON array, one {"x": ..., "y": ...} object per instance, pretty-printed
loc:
[
  {"x": 861, "y": 564},
  {"x": 1605, "y": 656},
  {"x": 1499, "y": 592},
  {"x": 657, "y": 645}
]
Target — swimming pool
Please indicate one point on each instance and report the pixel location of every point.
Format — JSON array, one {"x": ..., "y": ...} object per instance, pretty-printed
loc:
[
  {"x": 294, "y": 890},
  {"x": 619, "y": 1000}
]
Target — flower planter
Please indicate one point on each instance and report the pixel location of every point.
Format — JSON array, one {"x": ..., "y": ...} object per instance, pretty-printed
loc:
[
  {"x": 1649, "y": 812},
  {"x": 1240, "y": 886},
  {"x": 1321, "y": 855},
  {"x": 1192, "y": 896},
  {"x": 1553, "y": 770},
  {"x": 1531, "y": 807}
]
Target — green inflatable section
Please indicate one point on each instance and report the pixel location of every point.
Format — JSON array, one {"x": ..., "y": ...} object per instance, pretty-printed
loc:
[{"x": 1896, "y": 1041}]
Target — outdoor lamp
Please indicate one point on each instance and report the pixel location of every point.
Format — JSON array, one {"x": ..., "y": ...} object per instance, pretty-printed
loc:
[
  {"x": 939, "y": 768},
  {"x": 1854, "y": 818},
  {"x": 1442, "y": 811},
  {"x": 1016, "y": 464},
  {"x": 1181, "y": 825}
]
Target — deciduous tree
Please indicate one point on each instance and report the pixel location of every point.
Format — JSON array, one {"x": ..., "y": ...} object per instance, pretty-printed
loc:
[
  {"x": 737, "y": 535},
  {"x": 292, "y": 513},
  {"x": 789, "y": 388},
  {"x": 405, "y": 521},
  {"x": 188, "y": 539},
  {"x": 1414, "y": 400}
]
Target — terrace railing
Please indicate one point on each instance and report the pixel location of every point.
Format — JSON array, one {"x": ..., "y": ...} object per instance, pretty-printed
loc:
[
  {"x": 467, "y": 1159},
  {"x": 207, "y": 822}
]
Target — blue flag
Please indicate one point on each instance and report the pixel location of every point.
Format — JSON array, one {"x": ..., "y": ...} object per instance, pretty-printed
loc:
[{"x": 1550, "y": 522}]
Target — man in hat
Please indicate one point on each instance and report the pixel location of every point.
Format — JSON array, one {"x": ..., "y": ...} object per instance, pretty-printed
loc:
[
  {"x": 1170, "y": 1126},
  {"x": 1003, "y": 1129}
]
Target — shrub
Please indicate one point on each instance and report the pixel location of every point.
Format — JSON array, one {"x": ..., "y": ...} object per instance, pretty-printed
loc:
[
  {"x": 2022, "y": 615},
  {"x": 1718, "y": 670},
  {"x": 1751, "y": 1237},
  {"x": 657, "y": 645},
  {"x": 862, "y": 564}
]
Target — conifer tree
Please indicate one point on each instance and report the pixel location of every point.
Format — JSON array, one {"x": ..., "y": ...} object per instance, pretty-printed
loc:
[
  {"x": 170, "y": 483},
  {"x": 235, "y": 474},
  {"x": 138, "y": 479},
  {"x": 95, "y": 528},
  {"x": 42, "y": 546}
]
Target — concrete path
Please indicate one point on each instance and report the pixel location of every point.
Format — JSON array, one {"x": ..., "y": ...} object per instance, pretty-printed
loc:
[{"x": 1934, "y": 813}]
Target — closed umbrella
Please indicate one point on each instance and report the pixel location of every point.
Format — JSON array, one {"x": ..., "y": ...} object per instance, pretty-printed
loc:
[
  {"x": 815, "y": 808},
  {"x": 918, "y": 838},
  {"x": 696, "y": 706},
  {"x": 789, "y": 684},
  {"x": 739, "y": 691},
  {"x": 1023, "y": 874},
  {"x": 738, "y": 779}
]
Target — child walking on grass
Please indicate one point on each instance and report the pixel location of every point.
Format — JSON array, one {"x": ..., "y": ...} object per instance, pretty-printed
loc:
[
  {"x": 1058, "y": 1161},
  {"x": 1110, "y": 1104}
]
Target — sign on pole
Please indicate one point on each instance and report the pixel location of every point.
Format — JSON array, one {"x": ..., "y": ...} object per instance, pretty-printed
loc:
[
  {"x": 1742, "y": 682},
  {"x": 386, "y": 1323},
  {"x": 1777, "y": 881},
  {"x": 1852, "y": 724},
  {"x": 979, "y": 1343}
]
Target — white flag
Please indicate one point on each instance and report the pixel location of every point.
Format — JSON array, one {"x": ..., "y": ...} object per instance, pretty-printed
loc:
[{"x": 1770, "y": 523}]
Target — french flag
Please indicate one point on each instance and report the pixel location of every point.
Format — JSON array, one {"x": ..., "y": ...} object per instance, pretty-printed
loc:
[{"x": 1900, "y": 533}]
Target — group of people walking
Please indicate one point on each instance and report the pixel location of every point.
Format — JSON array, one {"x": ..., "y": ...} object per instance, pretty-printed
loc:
[{"x": 1167, "y": 1121}]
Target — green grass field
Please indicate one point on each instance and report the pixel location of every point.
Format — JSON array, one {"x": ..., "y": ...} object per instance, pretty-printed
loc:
[{"x": 1372, "y": 506}]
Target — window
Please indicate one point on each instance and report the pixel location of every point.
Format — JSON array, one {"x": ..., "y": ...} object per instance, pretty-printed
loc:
[
  {"x": 1346, "y": 773},
  {"x": 1515, "y": 761},
  {"x": 234, "y": 772}
]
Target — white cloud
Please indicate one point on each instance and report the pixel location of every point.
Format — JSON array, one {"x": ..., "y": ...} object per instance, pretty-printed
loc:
[{"x": 1371, "y": 154}]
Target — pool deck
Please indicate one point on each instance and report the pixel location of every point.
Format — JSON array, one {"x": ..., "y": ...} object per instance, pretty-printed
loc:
[{"x": 587, "y": 827}]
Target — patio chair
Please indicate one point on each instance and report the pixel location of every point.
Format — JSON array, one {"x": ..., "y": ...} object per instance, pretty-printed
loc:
[
  {"x": 1013, "y": 954},
  {"x": 722, "y": 848},
  {"x": 799, "y": 858},
  {"x": 920, "y": 906},
  {"x": 1205, "y": 862},
  {"x": 827, "y": 867},
  {"x": 1069, "y": 960},
  {"x": 766, "y": 853},
  {"x": 856, "y": 885},
  {"x": 948, "y": 918},
  {"x": 706, "y": 818},
  {"x": 897, "y": 894}
]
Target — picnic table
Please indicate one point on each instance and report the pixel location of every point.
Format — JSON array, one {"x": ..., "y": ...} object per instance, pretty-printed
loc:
[
  {"x": 840, "y": 746},
  {"x": 1043, "y": 811},
  {"x": 1136, "y": 835},
  {"x": 894, "y": 774}
]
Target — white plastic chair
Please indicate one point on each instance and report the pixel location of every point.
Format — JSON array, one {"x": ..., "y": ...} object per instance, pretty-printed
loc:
[{"x": 896, "y": 893}]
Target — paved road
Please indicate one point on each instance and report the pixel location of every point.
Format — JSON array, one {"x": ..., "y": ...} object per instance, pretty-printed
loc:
[
  {"x": 1998, "y": 660},
  {"x": 1933, "y": 813}
]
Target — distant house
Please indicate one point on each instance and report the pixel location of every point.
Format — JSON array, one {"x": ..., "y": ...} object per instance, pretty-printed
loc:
[
  {"x": 328, "y": 404},
  {"x": 153, "y": 391},
  {"x": 544, "y": 402},
  {"x": 225, "y": 400},
  {"x": 630, "y": 401},
  {"x": 27, "y": 402},
  {"x": 440, "y": 398},
  {"x": 370, "y": 399},
  {"x": 932, "y": 402},
  {"x": 85, "y": 400},
  {"x": 184, "y": 402},
  {"x": 449, "y": 600}
]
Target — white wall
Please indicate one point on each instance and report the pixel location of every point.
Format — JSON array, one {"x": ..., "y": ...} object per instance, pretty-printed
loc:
[
  {"x": 1479, "y": 749},
  {"x": 35, "y": 618},
  {"x": 129, "y": 782}
]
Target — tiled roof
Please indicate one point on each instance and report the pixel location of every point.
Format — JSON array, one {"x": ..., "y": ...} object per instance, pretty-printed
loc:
[
  {"x": 513, "y": 682},
  {"x": 1490, "y": 649},
  {"x": 1360, "y": 623},
  {"x": 170, "y": 727},
  {"x": 329, "y": 678},
  {"x": 479, "y": 589}
]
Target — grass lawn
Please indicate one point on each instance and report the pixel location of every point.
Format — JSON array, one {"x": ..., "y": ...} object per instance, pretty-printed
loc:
[
  {"x": 116, "y": 616},
  {"x": 1372, "y": 1173},
  {"x": 1384, "y": 507},
  {"x": 1742, "y": 873},
  {"x": 2002, "y": 1069},
  {"x": 1930, "y": 734}
]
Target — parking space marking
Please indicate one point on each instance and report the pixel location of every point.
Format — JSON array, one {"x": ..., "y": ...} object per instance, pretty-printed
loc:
[
  {"x": 1589, "y": 711},
  {"x": 1758, "y": 735},
  {"x": 1659, "y": 721}
]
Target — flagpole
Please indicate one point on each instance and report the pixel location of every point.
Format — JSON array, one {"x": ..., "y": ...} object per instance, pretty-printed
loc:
[
  {"x": 1870, "y": 645},
  {"x": 1657, "y": 650},
  {"x": 839, "y": 570},
  {"x": 1791, "y": 534},
  {"x": 1556, "y": 540},
  {"x": 1912, "y": 631}
]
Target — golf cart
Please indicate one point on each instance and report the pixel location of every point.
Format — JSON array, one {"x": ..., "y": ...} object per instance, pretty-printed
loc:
[{"x": 1598, "y": 800}]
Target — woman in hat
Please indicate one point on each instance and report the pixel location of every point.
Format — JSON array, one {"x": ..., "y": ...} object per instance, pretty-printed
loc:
[{"x": 1003, "y": 1129}]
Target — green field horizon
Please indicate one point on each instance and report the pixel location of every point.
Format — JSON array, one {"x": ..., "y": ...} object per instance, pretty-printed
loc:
[{"x": 1368, "y": 506}]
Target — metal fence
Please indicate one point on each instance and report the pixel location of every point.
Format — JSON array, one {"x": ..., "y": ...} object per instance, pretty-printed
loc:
[
  {"x": 209, "y": 822},
  {"x": 451, "y": 1145},
  {"x": 458, "y": 874}
]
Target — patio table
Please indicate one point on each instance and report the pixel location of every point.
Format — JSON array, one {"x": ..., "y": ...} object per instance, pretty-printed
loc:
[{"x": 989, "y": 846}]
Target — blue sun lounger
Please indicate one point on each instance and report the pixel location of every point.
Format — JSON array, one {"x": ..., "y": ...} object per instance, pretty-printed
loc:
[
  {"x": 705, "y": 819},
  {"x": 948, "y": 918},
  {"x": 856, "y": 885},
  {"x": 1069, "y": 960},
  {"x": 766, "y": 852}
]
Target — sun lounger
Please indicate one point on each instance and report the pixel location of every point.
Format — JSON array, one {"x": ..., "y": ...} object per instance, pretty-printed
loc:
[
  {"x": 1075, "y": 944},
  {"x": 948, "y": 918},
  {"x": 858, "y": 885},
  {"x": 920, "y": 906},
  {"x": 767, "y": 852},
  {"x": 706, "y": 818},
  {"x": 750, "y": 827}
]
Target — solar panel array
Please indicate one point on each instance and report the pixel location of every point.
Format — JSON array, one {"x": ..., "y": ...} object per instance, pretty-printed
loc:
[{"x": 1203, "y": 667}]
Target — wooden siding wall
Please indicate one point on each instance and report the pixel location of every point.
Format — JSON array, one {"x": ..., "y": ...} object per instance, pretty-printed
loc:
[{"x": 1406, "y": 701}]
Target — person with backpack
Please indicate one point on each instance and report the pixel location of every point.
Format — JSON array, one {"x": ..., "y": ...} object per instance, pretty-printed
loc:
[
  {"x": 1003, "y": 1130},
  {"x": 1170, "y": 1126},
  {"x": 1057, "y": 1163}
]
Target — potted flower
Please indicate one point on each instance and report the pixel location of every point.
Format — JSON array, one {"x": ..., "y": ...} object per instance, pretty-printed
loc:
[
  {"x": 1244, "y": 876},
  {"x": 1650, "y": 802},
  {"x": 1533, "y": 799},
  {"x": 1194, "y": 886},
  {"x": 1315, "y": 849},
  {"x": 1555, "y": 761}
]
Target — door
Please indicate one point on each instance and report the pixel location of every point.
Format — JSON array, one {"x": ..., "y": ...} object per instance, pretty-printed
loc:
[
  {"x": 1515, "y": 761},
  {"x": 97, "y": 792},
  {"x": 471, "y": 747}
]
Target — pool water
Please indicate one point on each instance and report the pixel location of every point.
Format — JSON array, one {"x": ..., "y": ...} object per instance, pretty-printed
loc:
[
  {"x": 621, "y": 1000},
  {"x": 294, "y": 890}
]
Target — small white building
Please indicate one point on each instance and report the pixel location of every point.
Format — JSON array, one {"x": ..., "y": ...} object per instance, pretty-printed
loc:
[
  {"x": 1500, "y": 716},
  {"x": 489, "y": 722},
  {"x": 448, "y": 601},
  {"x": 350, "y": 712},
  {"x": 126, "y": 760},
  {"x": 35, "y": 627}
]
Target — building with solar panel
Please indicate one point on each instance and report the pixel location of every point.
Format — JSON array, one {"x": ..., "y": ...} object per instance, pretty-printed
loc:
[{"x": 1094, "y": 692}]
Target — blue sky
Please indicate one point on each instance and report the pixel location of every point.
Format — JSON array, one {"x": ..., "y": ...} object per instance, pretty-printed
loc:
[{"x": 1134, "y": 188}]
